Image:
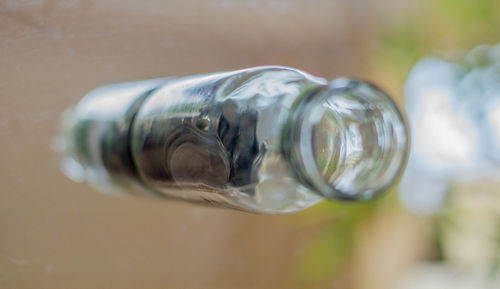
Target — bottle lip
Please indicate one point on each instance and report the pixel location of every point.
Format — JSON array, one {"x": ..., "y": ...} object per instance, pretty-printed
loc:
[{"x": 299, "y": 149}]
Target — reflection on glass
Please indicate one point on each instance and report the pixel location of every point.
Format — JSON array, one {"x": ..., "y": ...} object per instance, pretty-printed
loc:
[{"x": 265, "y": 139}]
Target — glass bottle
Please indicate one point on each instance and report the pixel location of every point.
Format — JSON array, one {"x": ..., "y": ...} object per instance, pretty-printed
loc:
[{"x": 266, "y": 139}]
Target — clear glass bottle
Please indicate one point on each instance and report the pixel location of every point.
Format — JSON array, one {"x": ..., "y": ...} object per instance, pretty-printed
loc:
[{"x": 266, "y": 139}]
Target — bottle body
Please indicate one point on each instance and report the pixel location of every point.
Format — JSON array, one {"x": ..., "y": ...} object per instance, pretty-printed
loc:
[
  {"x": 219, "y": 139},
  {"x": 236, "y": 139}
]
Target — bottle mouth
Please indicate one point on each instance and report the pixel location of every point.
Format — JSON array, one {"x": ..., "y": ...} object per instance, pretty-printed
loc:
[{"x": 347, "y": 140}]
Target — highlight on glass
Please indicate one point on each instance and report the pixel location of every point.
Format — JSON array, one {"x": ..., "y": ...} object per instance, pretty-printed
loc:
[{"x": 266, "y": 139}]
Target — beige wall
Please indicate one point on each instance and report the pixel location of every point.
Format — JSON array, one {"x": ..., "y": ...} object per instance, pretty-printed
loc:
[{"x": 58, "y": 234}]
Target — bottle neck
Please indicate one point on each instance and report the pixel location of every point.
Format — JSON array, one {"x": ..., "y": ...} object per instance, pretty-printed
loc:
[{"x": 346, "y": 140}]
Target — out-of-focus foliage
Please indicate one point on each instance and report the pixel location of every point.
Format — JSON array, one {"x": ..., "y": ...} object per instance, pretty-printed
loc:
[
  {"x": 470, "y": 227},
  {"x": 432, "y": 25},
  {"x": 327, "y": 253},
  {"x": 435, "y": 25}
]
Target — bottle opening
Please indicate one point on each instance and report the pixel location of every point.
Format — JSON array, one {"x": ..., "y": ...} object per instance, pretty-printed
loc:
[{"x": 349, "y": 140}]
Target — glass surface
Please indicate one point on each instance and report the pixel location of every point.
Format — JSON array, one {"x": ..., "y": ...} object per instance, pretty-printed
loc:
[
  {"x": 216, "y": 139},
  {"x": 266, "y": 139},
  {"x": 353, "y": 140}
]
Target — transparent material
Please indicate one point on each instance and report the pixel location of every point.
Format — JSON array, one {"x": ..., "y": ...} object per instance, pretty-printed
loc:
[
  {"x": 265, "y": 139},
  {"x": 351, "y": 140}
]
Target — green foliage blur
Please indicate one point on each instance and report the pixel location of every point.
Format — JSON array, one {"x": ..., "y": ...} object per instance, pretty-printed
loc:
[
  {"x": 433, "y": 26},
  {"x": 436, "y": 25}
]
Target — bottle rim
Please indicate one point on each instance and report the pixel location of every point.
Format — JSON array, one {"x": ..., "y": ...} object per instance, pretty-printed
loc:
[{"x": 370, "y": 176}]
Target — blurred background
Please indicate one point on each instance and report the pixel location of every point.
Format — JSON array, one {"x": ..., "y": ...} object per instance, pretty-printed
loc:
[{"x": 439, "y": 228}]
